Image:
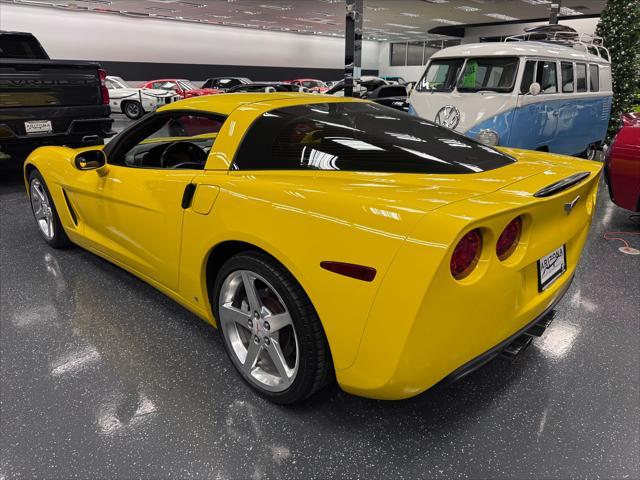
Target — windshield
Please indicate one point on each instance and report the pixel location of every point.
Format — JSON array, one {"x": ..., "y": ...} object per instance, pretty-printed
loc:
[
  {"x": 361, "y": 137},
  {"x": 186, "y": 85},
  {"x": 440, "y": 76},
  {"x": 493, "y": 74}
]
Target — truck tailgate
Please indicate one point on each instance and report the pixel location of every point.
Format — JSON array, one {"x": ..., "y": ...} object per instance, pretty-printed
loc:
[{"x": 48, "y": 83}]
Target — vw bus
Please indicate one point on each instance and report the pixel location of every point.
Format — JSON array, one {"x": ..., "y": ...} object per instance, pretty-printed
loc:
[{"x": 536, "y": 95}]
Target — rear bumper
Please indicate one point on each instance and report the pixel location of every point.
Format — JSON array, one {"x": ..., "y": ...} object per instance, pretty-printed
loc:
[
  {"x": 77, "y": 125},
  {"x": 531, "y": 329}
]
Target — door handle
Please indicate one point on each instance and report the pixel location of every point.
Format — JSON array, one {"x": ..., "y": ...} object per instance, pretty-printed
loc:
[{"x": 187, "y": 196}]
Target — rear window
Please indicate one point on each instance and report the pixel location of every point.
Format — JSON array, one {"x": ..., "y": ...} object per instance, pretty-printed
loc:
[
  {"x": 392, "y": 91},
  {"x": 362, "y": 137},
  {"x": 494, "y": 74},
  {"x": 21, "y": 46}
]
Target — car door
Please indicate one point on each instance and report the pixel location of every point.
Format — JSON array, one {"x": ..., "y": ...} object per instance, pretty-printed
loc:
[
  {"x": 133, "y": 213},
  {"x": 536, "y": 119}
]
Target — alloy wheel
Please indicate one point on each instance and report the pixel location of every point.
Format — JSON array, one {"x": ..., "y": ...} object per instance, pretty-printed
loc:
[
  {"x": 259, "y": 330},
  {"x": 41, "y": 206}
]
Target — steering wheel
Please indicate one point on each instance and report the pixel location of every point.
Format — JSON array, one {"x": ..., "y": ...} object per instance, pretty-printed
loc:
[{"x": 190, "y": 152}]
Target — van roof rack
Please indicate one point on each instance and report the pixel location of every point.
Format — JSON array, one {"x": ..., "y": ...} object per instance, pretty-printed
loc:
[{"x": 566, "y": 36}]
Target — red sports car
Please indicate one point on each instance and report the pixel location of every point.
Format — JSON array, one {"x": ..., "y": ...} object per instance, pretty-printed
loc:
[
  {"x": 311, "y": 84},
  {"x": 622, "y": 164},
  {"x": 182, "y": 87}
]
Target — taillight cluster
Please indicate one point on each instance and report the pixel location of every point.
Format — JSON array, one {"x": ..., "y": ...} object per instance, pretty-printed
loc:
[
  {"x": 466, "y": 255},
  {"x": 103, "y": 86},
  {"x": 509, "y": 238}
]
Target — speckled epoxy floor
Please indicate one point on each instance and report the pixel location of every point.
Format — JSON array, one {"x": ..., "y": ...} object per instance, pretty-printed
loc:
[{"x": 103, "y": 377}]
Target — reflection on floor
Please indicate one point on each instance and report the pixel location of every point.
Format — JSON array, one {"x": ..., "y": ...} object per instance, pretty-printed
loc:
[{"x": 102, "y": 376}]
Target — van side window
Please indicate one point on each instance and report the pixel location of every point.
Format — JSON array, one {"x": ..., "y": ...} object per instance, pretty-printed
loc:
[
  {"x": 594, "y": 78},
  {"x": 581, "y": 77},
  {"x": 528, "y": 76},
  {"x": 547, "y": 77},
  {"x": 566, "y": 70}
]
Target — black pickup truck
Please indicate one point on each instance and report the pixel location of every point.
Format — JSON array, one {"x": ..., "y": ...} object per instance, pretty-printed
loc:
[{"x": 48, "y": 102}]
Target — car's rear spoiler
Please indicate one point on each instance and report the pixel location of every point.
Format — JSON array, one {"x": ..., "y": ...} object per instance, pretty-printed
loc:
[{"x": 561, "y": 185}]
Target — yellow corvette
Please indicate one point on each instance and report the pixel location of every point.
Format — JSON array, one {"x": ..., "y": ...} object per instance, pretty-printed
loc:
[{"x": 327, "y": 236}]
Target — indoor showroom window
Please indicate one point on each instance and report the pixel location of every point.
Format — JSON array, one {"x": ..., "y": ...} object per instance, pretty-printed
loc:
[{"x": 416, "y": 53}]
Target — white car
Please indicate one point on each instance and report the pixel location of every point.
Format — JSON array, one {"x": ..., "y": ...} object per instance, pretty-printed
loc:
[{"x": 135, "y": 102}]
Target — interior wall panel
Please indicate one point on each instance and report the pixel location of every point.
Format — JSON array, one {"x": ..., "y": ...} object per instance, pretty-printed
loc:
[{"x": 156, "y": 46}]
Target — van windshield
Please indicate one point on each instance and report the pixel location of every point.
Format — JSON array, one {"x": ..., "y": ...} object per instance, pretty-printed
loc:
[
  {"x": 493, "y": 74},
  {"x": 440, "y": 76}
]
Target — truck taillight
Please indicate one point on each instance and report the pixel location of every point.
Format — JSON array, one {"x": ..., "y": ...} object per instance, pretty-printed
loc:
[
  {"x": 509, "y": 238},
  {"x": 103, "y": 86},
  {"x": 466, "y": 255}
]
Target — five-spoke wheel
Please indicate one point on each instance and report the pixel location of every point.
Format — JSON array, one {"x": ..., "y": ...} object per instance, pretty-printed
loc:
[
  {"x": 270, "y": 329},
  {"x": 45, "y": 213}
]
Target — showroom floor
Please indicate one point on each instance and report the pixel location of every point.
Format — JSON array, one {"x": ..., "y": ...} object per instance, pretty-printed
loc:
[{"x": 102, "y": 376}]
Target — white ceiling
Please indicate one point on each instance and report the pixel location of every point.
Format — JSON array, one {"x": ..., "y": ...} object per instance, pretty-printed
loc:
[{"x": 384, "y": 20}]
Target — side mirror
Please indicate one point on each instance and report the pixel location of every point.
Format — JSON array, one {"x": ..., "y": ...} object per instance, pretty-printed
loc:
[
  {"x": 90, "y": 160},
  {"x": 534, "y": 89}
]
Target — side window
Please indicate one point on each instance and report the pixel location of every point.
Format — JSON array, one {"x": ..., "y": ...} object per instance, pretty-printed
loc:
[
  {"x": 594, "y": 78},
  {"x": 581, "y": 77},
  {"x": 111, "y": 85},
  {"x": 547, "y": 77},
  {"x": 528, "y": 76},
  {"x": 175, "y": 141},
  {"x": 566, "y": 70}
]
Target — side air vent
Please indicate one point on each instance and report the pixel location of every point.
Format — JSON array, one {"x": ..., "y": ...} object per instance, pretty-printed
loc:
[
  {"x": 74, "y": 217},
  {"x": 561, "y": 185}
]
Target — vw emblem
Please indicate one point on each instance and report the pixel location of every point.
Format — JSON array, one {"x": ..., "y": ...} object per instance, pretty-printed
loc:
[{"x": 448, "y": 116}]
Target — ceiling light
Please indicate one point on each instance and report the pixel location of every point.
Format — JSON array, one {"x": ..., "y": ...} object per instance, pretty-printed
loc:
[
  {"x": 565, "y": 11},
  {"x": 448, "y": 22},
  {"x": 436, "y": 1},
  {"x": 412, "y": 15},
  {"x": 537, "y": 2},
  {"x": 192, "y": 4},
  {"x": 280, "y": 7},
  {"x": 466, "y": 8},
  {"x": 500, "y": 16},
  {"x": 399, "y": 25},
  {"x": 374, "y": 8}
]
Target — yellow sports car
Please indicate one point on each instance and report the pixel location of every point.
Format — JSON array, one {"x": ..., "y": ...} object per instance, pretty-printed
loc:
[{"x": 327, "y": 237}]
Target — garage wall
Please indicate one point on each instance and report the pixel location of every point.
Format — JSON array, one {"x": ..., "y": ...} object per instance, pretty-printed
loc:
[{"x": 141, "y": 49}]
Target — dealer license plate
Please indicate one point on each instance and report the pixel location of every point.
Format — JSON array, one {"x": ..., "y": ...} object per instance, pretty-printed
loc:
[
  {"x": 551, "y": 267},
  {"x": 38, "y": 126}
]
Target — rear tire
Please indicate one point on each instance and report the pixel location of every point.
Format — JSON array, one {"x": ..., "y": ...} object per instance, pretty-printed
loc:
[
  {"x": 45, "y": 213},
  {"x": 270, "y": 330},
  {"x": 132, "y": 109}
]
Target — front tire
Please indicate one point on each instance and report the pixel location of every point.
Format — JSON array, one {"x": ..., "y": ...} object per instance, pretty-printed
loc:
[
  {"x": 270, "y": 330},
  {"x": 45, "y": 213},
  {"x": 133, "y": 109}
]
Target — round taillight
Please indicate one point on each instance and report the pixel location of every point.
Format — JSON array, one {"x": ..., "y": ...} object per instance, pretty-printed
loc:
[
  {"x": 466, "y": 254},
  {"x": 509, "y": 238}
]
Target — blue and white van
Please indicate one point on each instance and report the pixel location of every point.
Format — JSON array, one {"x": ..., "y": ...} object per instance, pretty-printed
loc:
[{"x": 526, "y": 94}]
